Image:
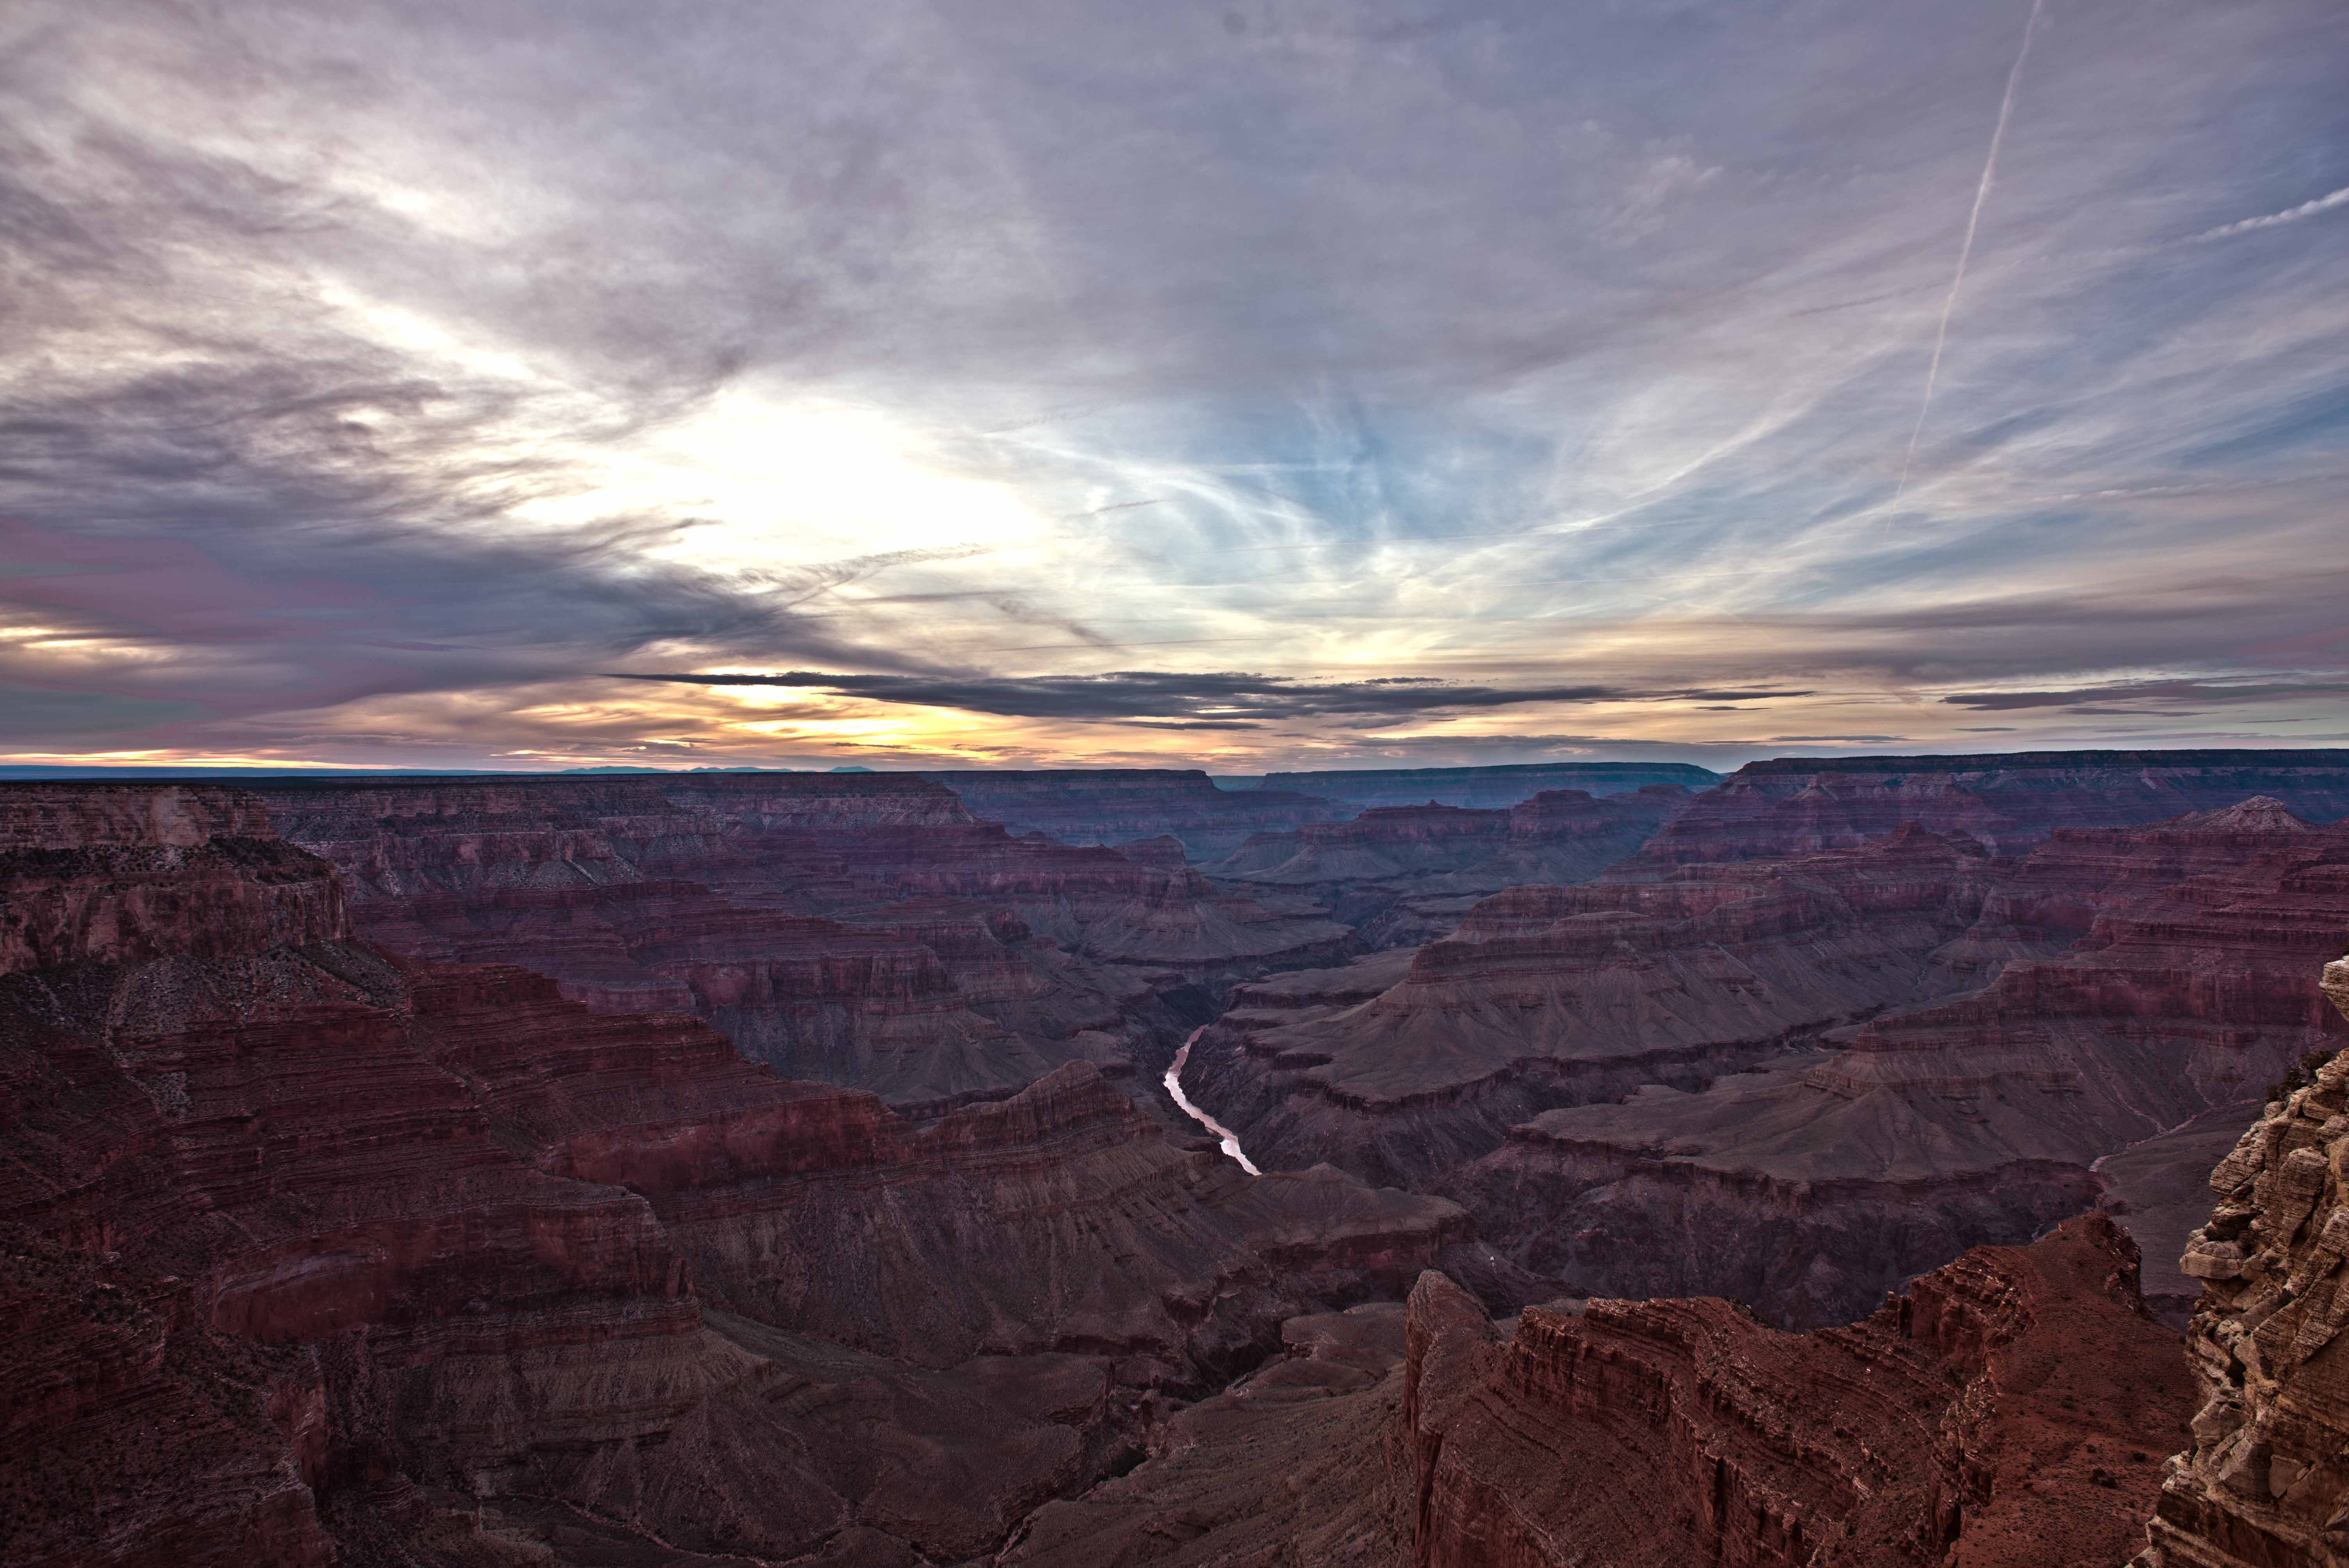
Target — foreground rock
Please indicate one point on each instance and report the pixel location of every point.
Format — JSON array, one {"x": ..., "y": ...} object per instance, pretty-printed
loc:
[
  {"x": 2006, "y": 1412},
  {"x": 2009, "y": 801},
  {"x": 2265, "y": 1481},
  {"x": 316, "y": 1253},
  {"x": 1810, "y": 1185}
]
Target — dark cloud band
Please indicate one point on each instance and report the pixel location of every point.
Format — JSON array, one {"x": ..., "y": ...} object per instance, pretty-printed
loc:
[{"x": 1222, "y": 700}]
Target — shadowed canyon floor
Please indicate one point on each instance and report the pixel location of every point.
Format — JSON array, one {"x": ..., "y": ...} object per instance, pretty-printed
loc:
[{"x": 766, "y": 1168}]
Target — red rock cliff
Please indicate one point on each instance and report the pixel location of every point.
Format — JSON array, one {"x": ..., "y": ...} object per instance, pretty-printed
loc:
[
  {"x": 2003, "y": 1413},
  {"x": 1811, "y": 1185},
  {"x": 316, "y": 1249},
  {"x": 1566, "y": 995},
  {"x": 860, "y": 929},
  {"x": 2263, "y": 1483},
  {"x": 2011, "y": 802}
]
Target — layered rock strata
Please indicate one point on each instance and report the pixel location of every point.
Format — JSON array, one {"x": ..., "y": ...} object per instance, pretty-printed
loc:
[
  {"x": 1551, "y": 996},
  {"x": 2264, "y": 1482},
  {"x": 317, "y": 1251},
  {"x": 861, "y": 930},
  {"x": 2011, "y": 802},
  {"x": 1115, "y": 805},
  {"x": 1286, "y": 1466},
  {"x": 1811, "y": 1185},
  {"x": 1390, "y": 853},
  {"x": 1487, "y": 789},
  {"x": 2005, "y": 1412}
]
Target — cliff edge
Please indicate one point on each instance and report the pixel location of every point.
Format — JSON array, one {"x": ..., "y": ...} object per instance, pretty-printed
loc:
[{"x": 2267, "y": 1480}]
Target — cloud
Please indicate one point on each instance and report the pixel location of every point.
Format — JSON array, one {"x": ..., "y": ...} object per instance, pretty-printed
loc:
[
  {"x": 2309, "y": 209},
  {"x": 1221, "y": 700},
  {"x": 1843, "y": 739},
  {"x": 2092, "y": 699},
  {"x": 376, "y": 368}
]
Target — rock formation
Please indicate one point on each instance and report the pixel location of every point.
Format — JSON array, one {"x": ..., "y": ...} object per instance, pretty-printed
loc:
[
  {"x": 1809, "y": 1185},
  {"x": 2011, "y": 802},
  {"x": 2005, "y": 1412},
  {"x": 857, "y": 929},
  {"x": 1434, "y": 852},
  {"x": 1552, "y": 997},
  {"x": 1487, "y": 789},
  {"x": 1115, "y": 805},
  {"x": 317, "y": 1251},
  {"x": 1287, "y": 1466},
  {"x": 2265, "y": 1483}
]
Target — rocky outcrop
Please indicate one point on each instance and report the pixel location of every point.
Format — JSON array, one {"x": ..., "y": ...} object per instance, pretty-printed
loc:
[
  {"x": 1115, "y": 805},
  {"x": 1487, "y": 789},
  {"x": 2005, "y": 1412},
  {"x": 1810, "y": 1185},
  {"x": 1551, "y": 996},
  {"x": 857, "y": 929},
  {"x": 2011, "y": 802},
  {"x": 317, "y": 1251},
  {"x": 1389, "y": 853},
  {"x": 2264, "y": 1482},
  {"x": 1285, "y": 1466}
]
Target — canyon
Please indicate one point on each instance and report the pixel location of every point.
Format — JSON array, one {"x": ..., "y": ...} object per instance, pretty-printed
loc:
[
  {"x": 1079, "y": 1169},
  {"x": 434, "y": 1263},
  {"x": 1817, "y": 1075},
  {"x": 859, "y": 929}
]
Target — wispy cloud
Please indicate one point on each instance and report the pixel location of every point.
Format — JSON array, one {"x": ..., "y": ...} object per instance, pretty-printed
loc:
[
  {"x": 2309, "y": 209},
  {"x": 377, "y": 371}
]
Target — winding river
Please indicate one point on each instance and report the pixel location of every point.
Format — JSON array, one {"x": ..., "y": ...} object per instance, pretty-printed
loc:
[{"x": 1175, "y": 1087}]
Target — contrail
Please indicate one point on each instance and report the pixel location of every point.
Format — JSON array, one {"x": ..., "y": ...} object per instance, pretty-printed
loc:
[
  {"x": 2290, "y": 215},
  {"x": 1966, "y": 251}
]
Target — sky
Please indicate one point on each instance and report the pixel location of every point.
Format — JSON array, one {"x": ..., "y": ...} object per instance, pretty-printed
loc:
[{"x": 1249, "y": 385}]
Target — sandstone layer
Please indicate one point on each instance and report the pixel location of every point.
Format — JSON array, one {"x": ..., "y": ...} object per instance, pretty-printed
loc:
[
  {"x": 1809, "y": 1185},
  {"x": 1551, "y": 996},
  {"x": 861, "y": 930},
  {"x": 319, "y": 1252},
  {"x": 1115, "y": 805},
  {"x": 1360, "y": 870},
  {"x": 2265, "y": 1483},
  {"x": 2011, "y": 802},
  {"x": 2005, "y": 1412}
]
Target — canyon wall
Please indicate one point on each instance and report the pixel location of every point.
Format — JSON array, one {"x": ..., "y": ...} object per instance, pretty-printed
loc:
[
  {"x": 1486, "y": 789},
  {"x": 1809, "y": 1185},
  {"x": 1549, "y": 996},
  {"x": 318, "y": 1251},
  {"x": 858, "y": 928},
  {"x": 2009, "y": 801},
  {"x": 1115, "y": 805},
  {"x": 1440, "y": 859},
  {"x": 2264, "y": 1482},
  {"x": 2005, "y": 1412}
]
